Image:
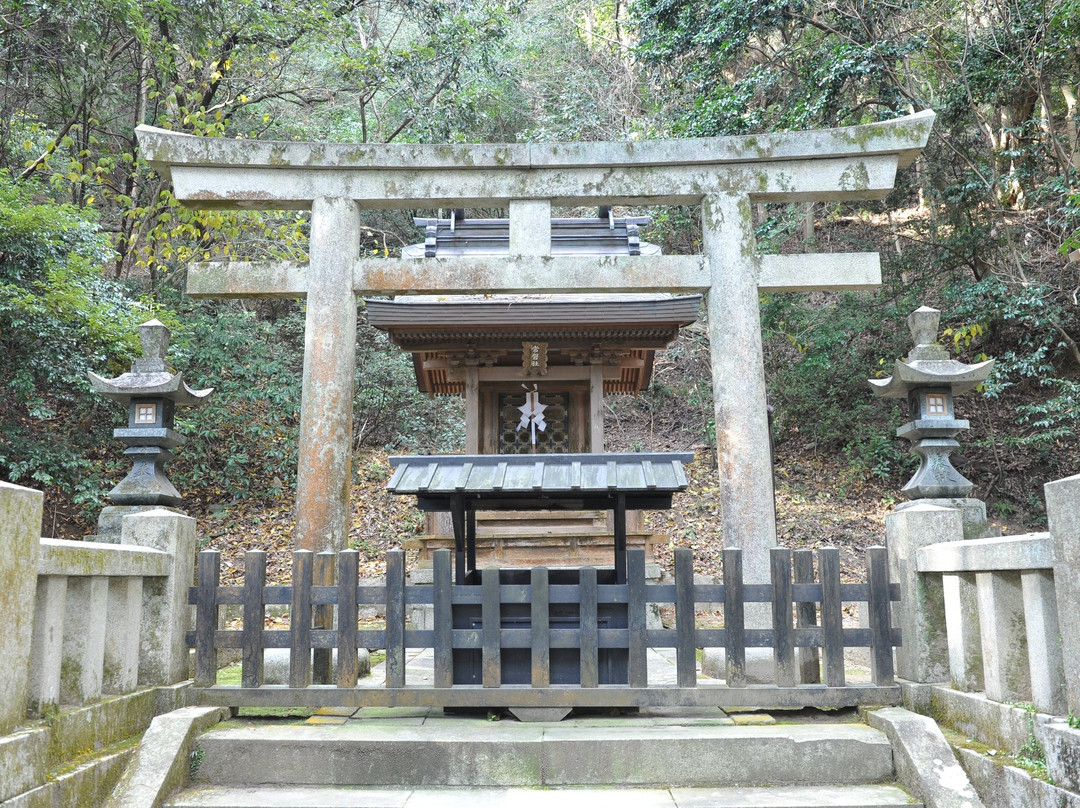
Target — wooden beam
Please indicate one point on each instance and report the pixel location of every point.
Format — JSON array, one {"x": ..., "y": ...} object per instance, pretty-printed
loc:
[{"x": 560, "y": 373}]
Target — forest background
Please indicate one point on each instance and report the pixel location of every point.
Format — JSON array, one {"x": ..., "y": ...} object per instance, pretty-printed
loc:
[{"x": 982, "y": 226}]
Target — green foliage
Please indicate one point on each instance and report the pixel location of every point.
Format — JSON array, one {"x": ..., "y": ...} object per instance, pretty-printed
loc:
[
  {"x": 242, "y": 443},
  {"x": 1032, "y": 756},
  {"x": 390, "y": 411},
  {"x": 58, "y": 319},
  {"x": 1054, "y": 420},
  {"x": 818, "y": 357},
  {"x": 1026, "y": 327}
]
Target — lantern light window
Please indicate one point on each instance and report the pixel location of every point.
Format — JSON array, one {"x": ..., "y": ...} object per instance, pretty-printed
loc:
[
  {"x": 146, "y": 413},
  {"x": 936, "y": 405}
]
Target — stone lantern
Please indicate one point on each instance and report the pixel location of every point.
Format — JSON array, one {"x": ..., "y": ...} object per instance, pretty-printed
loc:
[
  {"x": 151, "y": 393},
  {"x": 930, "y": 381}
]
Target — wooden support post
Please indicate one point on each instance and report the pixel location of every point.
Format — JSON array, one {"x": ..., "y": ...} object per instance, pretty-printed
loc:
[
  {"x": 470, "y": 539},
  {"x": 596, "y": 409},
  {"x": 457, "y": 518},
  {"x": 472, "y": 410},
  {"x": 620, "y": 539}
]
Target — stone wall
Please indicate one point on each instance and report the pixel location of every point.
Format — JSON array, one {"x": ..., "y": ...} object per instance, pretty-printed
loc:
[{"x": 94, "y": 650}]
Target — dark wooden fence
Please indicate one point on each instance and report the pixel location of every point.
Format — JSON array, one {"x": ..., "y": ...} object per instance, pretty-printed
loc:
[{"x": 806, "y": 615}]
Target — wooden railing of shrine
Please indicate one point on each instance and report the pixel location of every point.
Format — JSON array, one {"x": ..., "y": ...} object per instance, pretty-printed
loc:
[{"x": 479, "y": 629}]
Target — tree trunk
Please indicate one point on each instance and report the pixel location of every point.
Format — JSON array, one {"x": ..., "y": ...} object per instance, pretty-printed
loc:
[{"x": 1071, "y": 128}]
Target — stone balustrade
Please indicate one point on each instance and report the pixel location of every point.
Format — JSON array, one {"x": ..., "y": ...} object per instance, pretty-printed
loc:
[
  {"x": 90, "y": 619},
  {"x": 998, "y": 615},
  {"x": 1001, "y": 617}
]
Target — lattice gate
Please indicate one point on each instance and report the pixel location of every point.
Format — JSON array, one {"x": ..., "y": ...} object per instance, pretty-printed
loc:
[{"x": 806, "y": 615}]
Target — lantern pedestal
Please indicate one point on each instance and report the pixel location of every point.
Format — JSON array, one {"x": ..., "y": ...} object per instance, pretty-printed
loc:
[{"x": 146, "y": 483}]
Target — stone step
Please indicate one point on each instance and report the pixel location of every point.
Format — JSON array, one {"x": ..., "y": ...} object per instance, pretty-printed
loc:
[
  {"x": 857, "y": 796},
  {"x": 459, "y": 751}
]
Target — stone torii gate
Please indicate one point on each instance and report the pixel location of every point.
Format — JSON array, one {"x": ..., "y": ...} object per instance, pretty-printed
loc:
[{"x": 725, "y": 176}]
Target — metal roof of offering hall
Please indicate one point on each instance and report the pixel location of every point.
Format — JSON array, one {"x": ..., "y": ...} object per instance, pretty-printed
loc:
[{"x": 540, "y": 476}]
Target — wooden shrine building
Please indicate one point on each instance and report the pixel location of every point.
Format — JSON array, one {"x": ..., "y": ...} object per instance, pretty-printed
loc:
[{"x": 533, "y": 370}]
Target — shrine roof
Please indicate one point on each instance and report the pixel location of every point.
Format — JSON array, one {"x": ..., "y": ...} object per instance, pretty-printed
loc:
[
  {"x": 541, "y": 476},
  {"x": 519, "y": 311}
]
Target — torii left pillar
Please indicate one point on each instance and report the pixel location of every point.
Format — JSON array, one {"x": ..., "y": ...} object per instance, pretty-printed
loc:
[{"x": 326, "y": 410}]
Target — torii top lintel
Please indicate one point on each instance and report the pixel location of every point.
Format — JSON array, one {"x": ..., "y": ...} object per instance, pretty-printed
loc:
[{"x": 856, "y": 162}]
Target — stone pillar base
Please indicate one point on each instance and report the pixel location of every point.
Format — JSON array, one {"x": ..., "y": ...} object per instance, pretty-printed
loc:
[
  {"x": 972, "y": 512},
  {"x": 111, "y": 517}
]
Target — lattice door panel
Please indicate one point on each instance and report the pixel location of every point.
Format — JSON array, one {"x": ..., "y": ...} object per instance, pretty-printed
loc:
[{"x": 555, "y": 439}]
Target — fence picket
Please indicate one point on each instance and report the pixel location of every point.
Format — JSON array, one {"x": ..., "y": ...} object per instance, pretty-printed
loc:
[
  {"x": 347, "y": 580},
  {"x": 491, "y": 618},
  {"x": 793, "y": 622},
  {"x": 832, "y": 616},
  {"x": 395, "y": 618},
  {"x": 783, "y": 633},
  {"x": 589, "y": 641},
  {"x": 881, "y": 654},
  {"x": 323, "y": 618},
  {"x": 206, "y": 618},
  {"x": 442, "y": 580},
  {"x": 541, "y": 627},
  {"x": 300, "y": 619},
  {"x": 685, "y": 650},
  {"x": 806, "y": 617},
  {"x": 636, "y": 618},
  {"x": 734, "y": 619},
  {"x": 251, "y": 664}
]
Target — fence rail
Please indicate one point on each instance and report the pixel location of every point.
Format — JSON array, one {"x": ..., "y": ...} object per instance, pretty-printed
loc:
[{"x": 529, "y": 639}]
